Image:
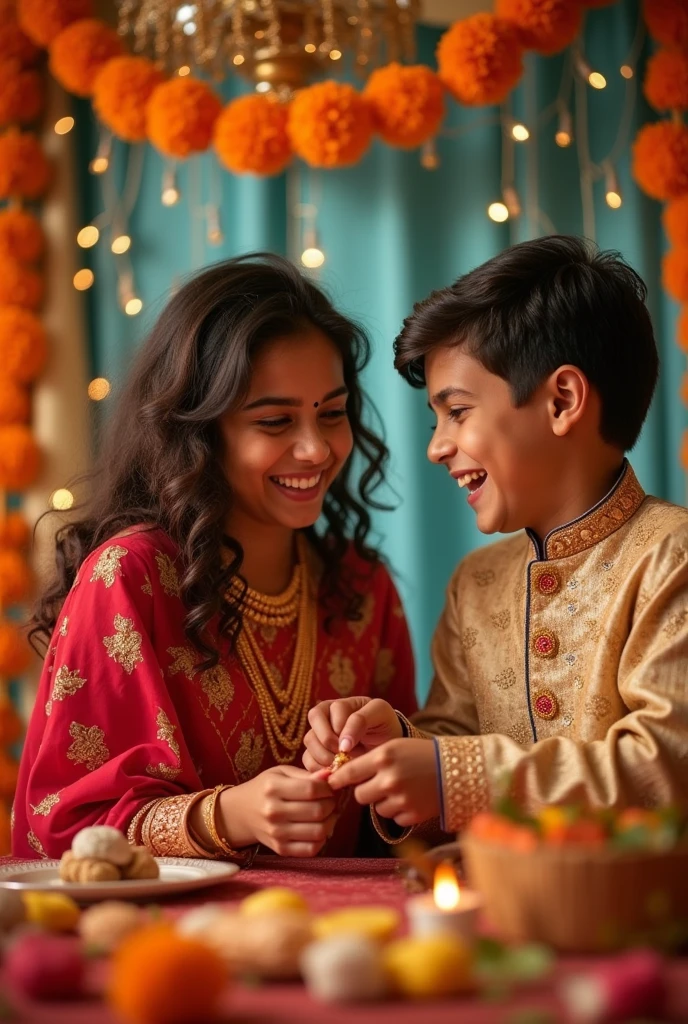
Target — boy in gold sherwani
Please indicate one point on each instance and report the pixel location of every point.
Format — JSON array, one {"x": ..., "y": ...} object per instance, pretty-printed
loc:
[{"x": 561, "y": 658}]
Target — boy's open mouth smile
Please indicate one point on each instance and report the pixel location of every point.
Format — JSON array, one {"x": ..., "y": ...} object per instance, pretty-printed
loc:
[{"x": 473, "y": 480}]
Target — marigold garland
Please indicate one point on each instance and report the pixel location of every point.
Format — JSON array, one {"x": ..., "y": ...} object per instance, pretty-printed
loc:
[
  {"x": 682, "y": 330},
  {"x": 181, "y": 116},
  {"x": 78, "y": 54},
  {"x": 14, "y": 652},
  {"x": 16, "y": 45},
  {"x": 675, "y": 273},
  {"x": 15, "y": 406},
  {"x": 667, "y": 21},
  {"x": 666, "y": 80},
  {"x": 660, "y": 160},
  {"x": 407, "y": 103},
  {"x": 19, "y": 284},
  {"x": 23, "y": 344},
  {"x": 480, "y": 59},
  {"x": 596, "y": 3},
  {"x": 121, "y": 90},
  {"x": 675, "y": 221},
  {"x": 10, "y": 723},
  {"x": 24, "y": 171},
  {"x": 9, "y": 771},
  {"x": 329, "y": 125},
  {"x": 251, "y": 136},
  {"x": 15, "y": 578},
  {"x": 21, "y": 94},
  {"x": 543, "y": 25},
  {"x": 15, "y": 532},
  {"x": 19, "y": 459},
  {"x": 21, "y": 235},
  {"x": 43, "y": 20}
]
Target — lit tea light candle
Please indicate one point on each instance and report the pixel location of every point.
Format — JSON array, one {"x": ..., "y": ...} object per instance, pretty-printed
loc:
[{"x": 447, "y": 908}]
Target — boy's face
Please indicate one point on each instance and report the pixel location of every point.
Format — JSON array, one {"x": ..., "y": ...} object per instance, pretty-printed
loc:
[{"x": 502, "y": 456}]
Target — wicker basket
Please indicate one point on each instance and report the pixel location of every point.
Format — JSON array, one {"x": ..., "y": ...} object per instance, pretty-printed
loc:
[{"x": 582, "y": 899}]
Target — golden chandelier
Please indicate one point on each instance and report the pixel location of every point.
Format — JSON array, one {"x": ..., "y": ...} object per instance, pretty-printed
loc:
[{"x": 280, "y": 45}]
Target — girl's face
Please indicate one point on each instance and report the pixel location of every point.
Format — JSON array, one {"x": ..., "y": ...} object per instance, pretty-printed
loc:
[{"x": 291, "y": 436}]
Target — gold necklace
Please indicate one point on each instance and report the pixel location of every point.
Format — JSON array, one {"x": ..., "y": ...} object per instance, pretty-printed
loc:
[{"x": 284, "y": 709}]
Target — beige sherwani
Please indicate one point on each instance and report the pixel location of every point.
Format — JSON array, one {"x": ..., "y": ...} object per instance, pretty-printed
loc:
[{"x": 563, "y": 664}]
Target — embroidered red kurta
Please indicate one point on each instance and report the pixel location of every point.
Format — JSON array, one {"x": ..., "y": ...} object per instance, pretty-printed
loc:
[{"x": 123, "y": 717}]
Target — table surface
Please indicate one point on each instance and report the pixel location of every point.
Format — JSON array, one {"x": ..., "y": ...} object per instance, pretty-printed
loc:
[{"x": 329, "y": 884}]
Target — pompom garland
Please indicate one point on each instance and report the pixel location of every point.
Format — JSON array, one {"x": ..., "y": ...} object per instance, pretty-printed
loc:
[
  {"x": 16, "y": 45},
  {"x": 80, "y": 51},
  {"x": 14, "y": 531},
  {"x": 21, "y": 235},
  {"x": 19, "y": 284},
  {"x": 14, "y": 651},
  {"x": 675, "y": 221},
  {"x": 251, "y": 136},
  {"x": 480, "y": 59},
  {"x": 15, "y": 406},
  {"x": 23, "y": 344},
  {"x": 329, "y": 125},
  {"x": 407, "y": 103},
  {"x": 660, "y": 160},
  {"x": 24, "y": 171},
  {"x": 666, "y": 80},
  {"x": 675, "y": 274},
  {"x": 43, "y": 20},
  {"x": 667, "y": 21},
  {"x": 543, "y": 25},
  {"x": 181, "y": 116},
  {"x": 19, "y": 459},
  {"x": 121, "y": 90},
  {"x": 21, "y": 94},
  {"x": 15, "y": 578}
]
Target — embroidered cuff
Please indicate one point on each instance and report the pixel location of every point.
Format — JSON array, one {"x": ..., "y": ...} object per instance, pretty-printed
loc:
[
  {"x": 464, "y": 784},
  {"x": 381, "y": 829},
  {"x": 165, "y": 826},
  {"x": 409, "y": 729}
]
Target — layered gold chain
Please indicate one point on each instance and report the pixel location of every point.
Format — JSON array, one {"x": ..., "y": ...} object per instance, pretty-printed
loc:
[{"x": 284, "y": 708}]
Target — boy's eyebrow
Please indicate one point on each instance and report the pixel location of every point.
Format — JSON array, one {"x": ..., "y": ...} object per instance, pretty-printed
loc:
[
  {"x": 441, "y": 397},
  {"x": 294, "y": 403}
]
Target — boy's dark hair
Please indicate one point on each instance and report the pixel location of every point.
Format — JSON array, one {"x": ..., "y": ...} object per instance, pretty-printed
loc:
[{"x": 537, "y": 306}]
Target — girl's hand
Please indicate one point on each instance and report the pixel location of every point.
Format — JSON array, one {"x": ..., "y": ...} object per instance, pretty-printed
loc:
[{"x": 352, "y": 725}]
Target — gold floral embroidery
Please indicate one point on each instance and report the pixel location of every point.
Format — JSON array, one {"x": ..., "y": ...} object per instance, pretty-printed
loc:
[
  {"x": 469, "y": 638},
  {"x": 184, "y": 661},
  {"x": 169, "y": 579},
  {"x": 675, "y": 623},
  {"x": 88, "y": 747},
  {"x": 342, "y": 675},
  {"x": 65, "y": 626},
  {"x": 367, "y": 610},
  {"x": 108, "y": 566},
  {"x": 147, "y": 587},
  {"x": 624, "y": 501},
  {"x": 66, "y": 685},
  {"x": 610, "y": 583},
  {"x": 125, "y": 646},
  {"x": 166, "y": 732},
  {"x": 12, "y": 818},
  {"x": 35, "y": 844},
  {"x": 464, "y": 779},
  {"x": 384, "y": 669},
  {"x": 520, "y": 734},
  {"x": 269, "y": 634},
  {"x": 46, "y": 804},
  {"x": 484, "y": 577},
  {"x": 598, "y": 706},
  {"x": 678, "y": 556},
  {"x": 501, "y": 620},
  {"x": 217, "y": 685},
  {"x": 249, "y": 756},
  {"x": 163, "y": 771},
  {"x": 505, "y": 680}
]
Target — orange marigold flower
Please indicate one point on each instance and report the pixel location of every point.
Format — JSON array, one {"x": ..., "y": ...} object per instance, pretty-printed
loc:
[
  {"x": 78, "y": 54},
  {"x": 684, "y": 389},
  {"x": 24, "y": 170},
  {"x": 14, "y": 651},
  {"x": 480, "y": 59},
  {"x": 667, "y": 21},
  {"x": 14, "y": 407},
  {"x": 21, "y": 94},
  {"x": 596, "y": 3},
  {"x": 675, "y": 220},
  {"x": 21, "y": 235},
  {"x": 121, "y": 90},
  {"x": 407, "y": 103},
  {"x": 682, "y": 330},
  {"x": 15, "y": 532},
  {"x": 15, "y": 577},
  {"x": 11, "y": 726},
  {"x": 543, "y": 25},
  {"x": 159, "y": 976},
  {"x": 660, "y": 160},
  {"x": 23, "y": 344},
  {"x": 19, "y": 284},
  {"x": 181, "y": 116},
  {"x": 666, "y": 80},
  {"x": 251, "y": 136},
  {"x": 16, "y": 45},
  {"x": 43, "y": 20},
  {"x": 330, "y": 125},
  {"x": 675, "y": 273},
  {"x": 20, "y": 459}
]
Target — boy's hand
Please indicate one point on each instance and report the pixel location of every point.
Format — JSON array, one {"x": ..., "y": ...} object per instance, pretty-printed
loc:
[
  {"x": 398, "y": 778},
  {"x": 352, "y": 725}
]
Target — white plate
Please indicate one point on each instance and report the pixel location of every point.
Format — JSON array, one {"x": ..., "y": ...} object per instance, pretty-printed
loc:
[{"x": 177, "y": 875}]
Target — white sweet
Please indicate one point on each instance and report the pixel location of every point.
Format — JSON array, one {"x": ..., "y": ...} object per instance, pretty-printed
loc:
[
  {"x": 102, "y": 842},
  {"x": 344, "y": 968},
  {"x": 194, "y": 923}
]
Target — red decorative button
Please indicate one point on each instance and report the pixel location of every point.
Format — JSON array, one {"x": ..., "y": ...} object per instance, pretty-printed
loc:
[
  {"x": 547, "y": 581},
  {"x": 545, "y": 704},
  {"x": 545, "y": 644}
]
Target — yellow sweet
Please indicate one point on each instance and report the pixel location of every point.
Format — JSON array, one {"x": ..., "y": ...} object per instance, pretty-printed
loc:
[
  {"x": 53, "y": 911},
  {"x": 432, "y": 967},
  {"x": 266, "y": 901},
  {"x": 376, "y": 923}
]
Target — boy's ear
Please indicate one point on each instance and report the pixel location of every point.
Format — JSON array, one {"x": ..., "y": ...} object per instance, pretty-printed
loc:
[{"x": 568, "y": 393}]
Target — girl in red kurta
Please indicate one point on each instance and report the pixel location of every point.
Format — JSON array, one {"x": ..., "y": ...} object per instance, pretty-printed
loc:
[{"x": 198, "y": 611}]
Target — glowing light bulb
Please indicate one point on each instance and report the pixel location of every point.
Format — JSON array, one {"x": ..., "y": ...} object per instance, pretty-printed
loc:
[
  {"x": 310, "y": 47},
  {"x": 61, "y": 499},
  {"x": 184, "y": 70},
  {"x": 99, "y": 165},
  {"x": 262, "y": 87},
  {"x": 120, "y": 244},
  {"x": 312, "y": 257},
  {"x": 335, "y": 54},
  {"x": 596, "y": 80},
  {"x": 83, "y": 279},
  {"x": 520, "y": 132},
  {"x": 64, "y": 125},
  {"x": 133, "y": 306},
  {"x": 612, "y": 188},
  {"x": 98, "y": 389},
  {"x": 564, "y": 135},
  {"x": 627, "y": 71},
  {"x": 238, "y": 59},
  {"x": 88, "y": 236},
  {"x": 498, "y": 212}
]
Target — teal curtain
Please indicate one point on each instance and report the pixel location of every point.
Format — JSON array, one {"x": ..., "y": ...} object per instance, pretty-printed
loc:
[{"x": 392, "y": 232}]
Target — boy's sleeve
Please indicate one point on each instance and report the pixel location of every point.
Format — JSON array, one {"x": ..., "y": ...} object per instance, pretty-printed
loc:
[{"x": 643, "y": 759}]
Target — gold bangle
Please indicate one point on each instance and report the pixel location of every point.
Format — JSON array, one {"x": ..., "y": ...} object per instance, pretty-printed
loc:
[{"x": 209, "y": 821}]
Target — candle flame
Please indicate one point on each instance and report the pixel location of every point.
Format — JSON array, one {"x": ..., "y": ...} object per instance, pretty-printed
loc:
[{"x": 446, "y": 887}]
